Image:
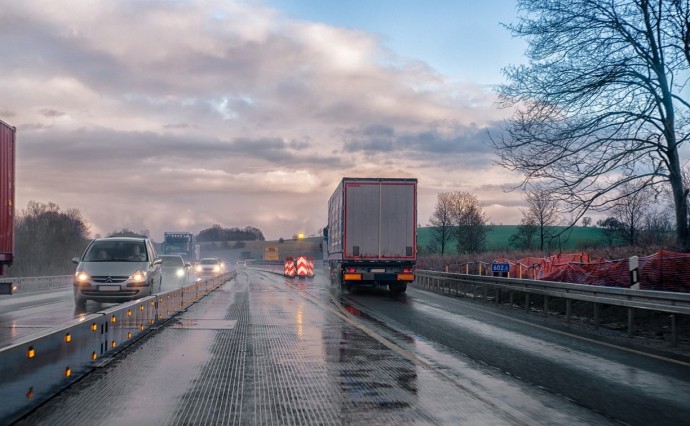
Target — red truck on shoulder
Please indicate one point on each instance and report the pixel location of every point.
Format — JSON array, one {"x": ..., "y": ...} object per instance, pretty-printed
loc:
[{"x": 7, "y": 168}]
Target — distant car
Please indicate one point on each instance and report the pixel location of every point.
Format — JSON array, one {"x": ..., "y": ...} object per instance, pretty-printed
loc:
[
  {"x": 241, "y": 263},
  {"x": 115, "y": 270},
  {"x": 174, "y": 270},
  {"x": 209, "y": 267}
]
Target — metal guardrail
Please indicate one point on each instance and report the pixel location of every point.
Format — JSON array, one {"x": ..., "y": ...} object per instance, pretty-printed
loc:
[
  {"x": 29, "y": 284},
  {"x": 35, "y": 368},
  {"x": 494, "y": 288}
]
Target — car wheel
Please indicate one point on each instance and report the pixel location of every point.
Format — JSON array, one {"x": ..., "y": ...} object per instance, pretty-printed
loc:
[{"x": 79, "y": 302}]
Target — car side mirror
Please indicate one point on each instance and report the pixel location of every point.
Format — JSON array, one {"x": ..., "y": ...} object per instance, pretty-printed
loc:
[
  {"x": 75, "y": 260},
  {"x": 187, "y": 265},
  {"x": 157, "y": 262}
]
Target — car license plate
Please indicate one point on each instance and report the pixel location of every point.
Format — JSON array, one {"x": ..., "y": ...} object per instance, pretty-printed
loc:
[
  {"x": 109, "y": 288},
  {"x": 377, "y": 270}
]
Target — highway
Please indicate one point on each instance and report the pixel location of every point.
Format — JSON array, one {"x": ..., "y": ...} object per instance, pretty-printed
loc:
[{"x": 271, "y": 350}]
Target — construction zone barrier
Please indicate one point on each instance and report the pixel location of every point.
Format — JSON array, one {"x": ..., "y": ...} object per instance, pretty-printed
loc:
[
  {"x": 289, "y": 269},
  {"x": 661, "y": 271},
  {"x": 305, "y": 267}
]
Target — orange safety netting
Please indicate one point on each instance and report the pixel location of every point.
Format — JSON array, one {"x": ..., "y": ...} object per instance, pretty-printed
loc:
[{"x": 664, "y": 271}]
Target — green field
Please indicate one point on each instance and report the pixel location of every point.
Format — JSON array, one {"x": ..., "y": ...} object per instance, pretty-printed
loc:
[{"x": 498, "y": 237}]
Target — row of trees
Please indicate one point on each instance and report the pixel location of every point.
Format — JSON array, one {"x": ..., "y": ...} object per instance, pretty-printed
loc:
[
  {"x": 46, "y": 239},
  {"x": 218, "y": 233},
  {"x": 639, "y": 218}
]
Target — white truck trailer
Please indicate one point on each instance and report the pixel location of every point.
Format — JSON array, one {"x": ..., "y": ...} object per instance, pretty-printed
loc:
[{"x": 372, "y": 232}]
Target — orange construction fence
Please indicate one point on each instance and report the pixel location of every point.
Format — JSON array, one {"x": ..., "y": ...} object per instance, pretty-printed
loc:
[{"x": 663, "y": 271}]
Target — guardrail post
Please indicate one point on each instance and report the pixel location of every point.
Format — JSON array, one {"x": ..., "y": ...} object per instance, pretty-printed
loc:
[
  {"x": 631, "y": 322},
  {"x": 674, "y": 334},
  {"x": 511, "y": 299},
  {"x": 486, "y": 294},
  {"x": 498, "y": 296},
  {"x": 527, "y": 302},
  {"x": 596, "y": 315},
  {"x": 546, "y": 306},
  {"x": 568, "y": 309}
]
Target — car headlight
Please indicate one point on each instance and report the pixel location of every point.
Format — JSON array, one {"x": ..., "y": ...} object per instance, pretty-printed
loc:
[
  {"x": 138, "y": 276},
  {"x": 180, "y": 272},
  {"x": 216, "y": 268},
  {"x": 198, "y": 268},
  {"x": 82, "y": 277}
]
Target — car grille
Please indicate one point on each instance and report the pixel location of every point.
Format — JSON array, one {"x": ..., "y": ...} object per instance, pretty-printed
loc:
[
  {"x": 108, "y": 279},
  {"x": 112, "y": 294}
]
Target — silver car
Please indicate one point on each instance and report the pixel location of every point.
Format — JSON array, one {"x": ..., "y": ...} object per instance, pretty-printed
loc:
[
  {"x": 209, "y": 267},
  {"x": 174, "y": 270},
  {"x": 115, "y": 270}
]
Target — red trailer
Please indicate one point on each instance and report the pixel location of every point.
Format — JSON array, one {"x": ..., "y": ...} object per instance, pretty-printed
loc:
[{"x": 7, "y": 167}]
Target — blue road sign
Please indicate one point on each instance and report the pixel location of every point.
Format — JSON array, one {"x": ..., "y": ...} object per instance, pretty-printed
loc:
[{"x": 500, "y": 267}]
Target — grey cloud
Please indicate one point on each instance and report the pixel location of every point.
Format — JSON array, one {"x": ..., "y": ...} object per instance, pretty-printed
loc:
[
  {"x": 460, "y": 145},
  {"x": 49, "y": 112}
]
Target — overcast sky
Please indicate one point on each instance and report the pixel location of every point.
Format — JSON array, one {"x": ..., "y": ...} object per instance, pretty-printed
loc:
[{"x": 177, "y": 115}]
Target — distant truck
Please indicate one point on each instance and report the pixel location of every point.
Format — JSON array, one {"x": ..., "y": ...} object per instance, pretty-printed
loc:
[
  {"x": 181, "y": 243},
  {"x": 372, "y": 233},
  {"x": 7, "y": 173}
]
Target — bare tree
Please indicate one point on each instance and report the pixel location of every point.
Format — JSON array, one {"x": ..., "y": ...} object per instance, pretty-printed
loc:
[
  {"x": 657, "y": 228},
  {"x": 46, "y": 239},
  {"x": 523, "y": 239},
  {"x": 611, "y": 228},
  {"x": 442, "y": 222},
  {"x": 600, "y": 103},
  {"x": 586, "y": 221},
  {"x": 543, "y": 212},
  {"x": 469, "y": 222},
  {"x": 631, "y": 212}
]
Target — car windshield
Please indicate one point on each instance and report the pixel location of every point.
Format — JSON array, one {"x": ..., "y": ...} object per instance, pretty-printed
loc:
[
  {"x": 172, "y": 261},
  {"x": 116, "y": 251},
  {"x": 209, "y": 261}
]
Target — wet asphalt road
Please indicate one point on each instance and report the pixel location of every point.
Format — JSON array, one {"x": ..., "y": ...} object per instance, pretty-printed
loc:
[{"x": 268, "y": 350}]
